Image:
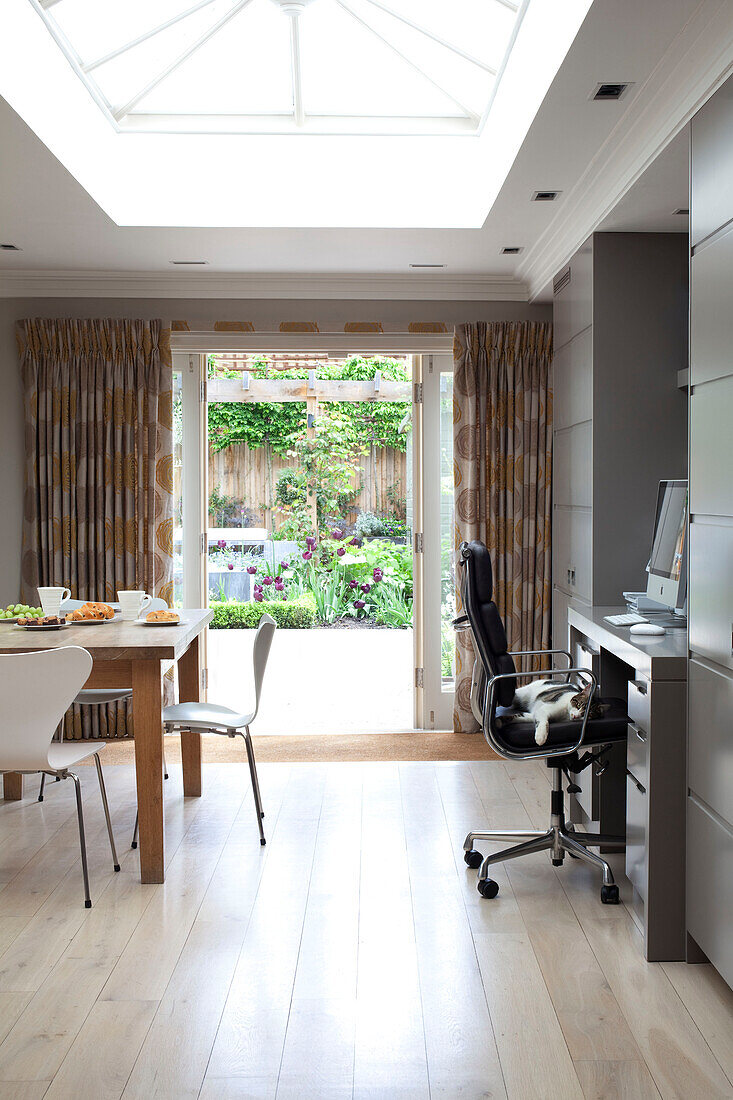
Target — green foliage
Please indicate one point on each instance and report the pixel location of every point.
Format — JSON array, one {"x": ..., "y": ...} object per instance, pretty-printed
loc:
[
  {"x": 260, "y": 423},
  {"x": 295, "y": 614}
]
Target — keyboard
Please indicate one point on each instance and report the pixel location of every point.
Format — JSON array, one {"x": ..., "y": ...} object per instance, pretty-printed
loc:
[{"x": 629, "y": 619}]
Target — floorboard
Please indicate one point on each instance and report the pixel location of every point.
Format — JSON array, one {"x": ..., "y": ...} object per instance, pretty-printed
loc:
[{"x": 351, "y": 958}]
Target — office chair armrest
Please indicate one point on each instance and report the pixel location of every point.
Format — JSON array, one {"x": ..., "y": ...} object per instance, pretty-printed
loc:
[
  {"x": 541, "y": 750},
  {"x": 461, "y": 623},
  {"x": 543, "y": 653}
]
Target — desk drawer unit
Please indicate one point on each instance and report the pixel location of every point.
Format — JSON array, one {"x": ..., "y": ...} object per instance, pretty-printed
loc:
[
  {"x": 637, "y": 744},
  {"x": 637, "y": 815}
]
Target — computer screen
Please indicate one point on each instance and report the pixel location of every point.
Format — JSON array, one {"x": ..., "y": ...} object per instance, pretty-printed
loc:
[{"x": 666, "y": 565}]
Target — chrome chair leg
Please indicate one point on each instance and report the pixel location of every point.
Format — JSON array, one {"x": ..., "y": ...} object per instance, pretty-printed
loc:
[
  {"x": 570, "y": 844},
  {"x": 82, "y": 839},
  {"x": 536, "y": 844},
  {"x": 103, "y": 791},
  {"x": 502, "y": 834},
  {"x": 43, "y": 784},
  {"x": 255, "y": 783}
]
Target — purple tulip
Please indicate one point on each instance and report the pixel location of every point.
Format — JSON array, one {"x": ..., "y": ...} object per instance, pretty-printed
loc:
[
  {"x": 310, "y": 542},
  {"x": 358, "y": 604},
  {"x": 284, "y": 564},
  {"x": 337, "y": 533},
  {"x": 279, "y": 586},
  {"x": 252, "y": 569},
  {"x": 221, "y": 544},
  {"x": 284, "y": 596},
  {"x": 258, "y": 597},
  {"x": 230, "y": 566},
  {"x": 307, "y": 555},
  {"x": 340, "y": 551},
  {"x": 353, "y": 585},
  {"x": 355, "y": 542},
  {"x": 366, "y": 588},
  {"x": 267, "y": 580},
  {"x": 377, "y": 573}
]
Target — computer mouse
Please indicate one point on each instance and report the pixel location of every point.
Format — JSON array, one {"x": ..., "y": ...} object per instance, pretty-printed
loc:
[{"x": 647, "y": 628}]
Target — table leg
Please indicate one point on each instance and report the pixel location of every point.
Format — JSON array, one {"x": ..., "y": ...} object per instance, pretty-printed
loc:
[
  {"x": 13, "y": 786},
  {"x": 147, "y": 708},
  {"x": 189, "y": 683}
]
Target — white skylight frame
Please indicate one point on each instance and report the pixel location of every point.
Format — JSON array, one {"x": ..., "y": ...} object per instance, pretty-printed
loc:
[
  {"x": 130, "y": 115},
  {"x": 328, "y": 181}
]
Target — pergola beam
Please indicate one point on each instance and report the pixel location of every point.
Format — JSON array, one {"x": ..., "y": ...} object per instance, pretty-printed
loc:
[
  {"x": 298, "y": 389},
  {"x": 434, "y": 37},
  {"x": 120, "y": 114}
]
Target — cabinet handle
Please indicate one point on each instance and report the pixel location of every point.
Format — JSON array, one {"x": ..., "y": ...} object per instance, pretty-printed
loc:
[
  {"x": 639, "y": 733},
  {"x": 588, "y": 649},
  {"x": 641, "y": 686},
  {"x": 635, "y": 781}
]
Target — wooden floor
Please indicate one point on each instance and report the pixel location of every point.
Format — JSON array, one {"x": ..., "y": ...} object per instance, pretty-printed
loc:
[{"x": 351, "y": 957}]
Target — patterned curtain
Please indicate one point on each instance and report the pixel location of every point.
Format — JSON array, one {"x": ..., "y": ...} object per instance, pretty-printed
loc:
[
  {"x": 98, "y": 506},
  {"x": 502, "y": 436}
]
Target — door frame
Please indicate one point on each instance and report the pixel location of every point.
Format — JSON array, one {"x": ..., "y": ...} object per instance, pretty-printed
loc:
[{"x": 192, "y": 347}]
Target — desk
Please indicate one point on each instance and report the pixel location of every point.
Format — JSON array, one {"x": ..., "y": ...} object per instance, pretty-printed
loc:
[
  {"x": 643, "y": 790},
  {"x": 128, "y": 654}
]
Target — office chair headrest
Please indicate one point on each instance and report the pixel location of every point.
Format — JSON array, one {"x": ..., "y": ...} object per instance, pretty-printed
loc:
[{"x": 478, "y": 560}]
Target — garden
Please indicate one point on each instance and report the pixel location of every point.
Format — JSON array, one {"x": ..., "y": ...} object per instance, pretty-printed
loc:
[{"x": 333, "y": 546}]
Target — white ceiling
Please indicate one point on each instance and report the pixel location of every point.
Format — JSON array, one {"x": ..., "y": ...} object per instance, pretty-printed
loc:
[{"x": 60, "y": 228}]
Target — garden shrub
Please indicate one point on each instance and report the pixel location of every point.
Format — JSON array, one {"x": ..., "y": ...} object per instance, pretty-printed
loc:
[{"x": 296, "y": 614}]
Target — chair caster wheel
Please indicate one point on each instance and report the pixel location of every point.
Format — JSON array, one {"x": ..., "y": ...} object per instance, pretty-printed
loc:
[
  {"x": 487, "y": 888},
  {"x": 134, "y": 844},
  {"x": 609, "y": 895},
  {"x": 473, "y": 858}
]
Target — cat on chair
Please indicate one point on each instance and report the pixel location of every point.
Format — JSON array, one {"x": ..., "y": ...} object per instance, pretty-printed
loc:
[{"x": 545, "y": 701}]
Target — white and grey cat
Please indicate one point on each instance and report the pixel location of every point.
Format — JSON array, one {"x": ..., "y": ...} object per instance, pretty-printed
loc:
[{"x": 545, "y": 701}]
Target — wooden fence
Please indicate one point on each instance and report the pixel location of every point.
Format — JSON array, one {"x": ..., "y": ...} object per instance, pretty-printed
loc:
[{"x": 249, "y": 476}]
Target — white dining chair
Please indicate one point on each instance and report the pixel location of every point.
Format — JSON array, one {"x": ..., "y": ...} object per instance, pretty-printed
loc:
[
  {"x": 212, "y": 718},
  {"x": 98, "y": 697},
  {"x": 36, "y": 691}
]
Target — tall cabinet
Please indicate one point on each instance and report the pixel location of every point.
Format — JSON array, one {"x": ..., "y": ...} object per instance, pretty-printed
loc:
[
  {"x": 620, "y": 420},
  {"x": 710, "y": 718}
]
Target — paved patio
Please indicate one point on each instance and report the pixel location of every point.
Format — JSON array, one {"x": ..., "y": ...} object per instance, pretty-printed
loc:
[{"x": 318, "y": 681}]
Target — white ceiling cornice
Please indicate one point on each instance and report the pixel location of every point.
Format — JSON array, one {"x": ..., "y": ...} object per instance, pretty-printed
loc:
[
  {"x": 696, "y": 63},
  {"x": 131, "y": 284}
]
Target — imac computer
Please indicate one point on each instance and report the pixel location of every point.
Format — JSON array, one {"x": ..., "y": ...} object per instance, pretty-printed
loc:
[{"x": 667, "y": 580}]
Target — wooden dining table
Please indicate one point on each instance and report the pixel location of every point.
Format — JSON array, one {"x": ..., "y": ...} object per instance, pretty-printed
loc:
[{"x": 129, "y": 654}]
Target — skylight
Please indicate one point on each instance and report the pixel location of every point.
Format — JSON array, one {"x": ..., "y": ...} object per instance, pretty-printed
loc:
[
  {"x": 283, "y": 66},
  {"x": 285, "y": 113}
]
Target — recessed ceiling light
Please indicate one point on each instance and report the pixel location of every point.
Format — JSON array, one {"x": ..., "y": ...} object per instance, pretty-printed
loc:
[
  {"x": 189, "y": 263},
  {"x": 10, "y": 248},
  {"x": 545, "y": 196},
  {"x": 427, "y": 266},
  {"x": 511, "y": 250},
  {"x": 681, "y": 210},
  {"x": 609, "y": 91}
]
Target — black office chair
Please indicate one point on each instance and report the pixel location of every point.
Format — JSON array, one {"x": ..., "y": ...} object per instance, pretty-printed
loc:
[{"x": 492, "y": 692}]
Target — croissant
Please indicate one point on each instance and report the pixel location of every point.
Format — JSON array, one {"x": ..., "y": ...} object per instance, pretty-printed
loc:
[{"x": 87, "y": 611}]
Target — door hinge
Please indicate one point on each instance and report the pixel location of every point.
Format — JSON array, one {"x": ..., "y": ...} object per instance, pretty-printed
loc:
[
  {"x": 419, "y": 677},
  {"x": 202, "y": 390},
  {"x": 203, "y": 542},
  {"x": 204, "y": 678},
  {"x": 417, "y": 391},
  {"x": 418, "y": 542}
]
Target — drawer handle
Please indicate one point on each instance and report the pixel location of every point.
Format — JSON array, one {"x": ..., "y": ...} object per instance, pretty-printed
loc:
[
  {"x": 635, "y": 781},
  {"x": 641, "y": 686},
  {"x": 641, "y": 734}
]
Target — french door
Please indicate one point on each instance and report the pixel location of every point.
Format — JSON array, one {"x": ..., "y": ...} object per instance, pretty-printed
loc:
[
  {"x": 189, "y": 461},
  {"x": 434, "y": 556}
]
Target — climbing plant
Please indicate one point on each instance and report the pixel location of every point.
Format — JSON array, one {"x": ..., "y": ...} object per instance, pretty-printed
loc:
[{"x": 258, "y": 423}]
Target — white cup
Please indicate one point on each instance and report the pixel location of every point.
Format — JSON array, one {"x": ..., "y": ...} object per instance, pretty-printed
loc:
[
  {"x": 52, "y": 598},
  {"x": 133, "y": 603}
]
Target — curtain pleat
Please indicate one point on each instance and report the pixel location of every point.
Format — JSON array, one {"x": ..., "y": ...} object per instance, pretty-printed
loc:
[
  {"x": 98, "y": 504},
  {"x": 502, "y": 440}
]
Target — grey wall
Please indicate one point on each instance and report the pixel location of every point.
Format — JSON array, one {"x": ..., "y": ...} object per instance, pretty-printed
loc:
[{"x": 265, "y": 315}]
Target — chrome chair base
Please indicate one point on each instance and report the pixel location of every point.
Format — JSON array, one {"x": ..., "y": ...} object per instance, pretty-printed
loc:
[{"x": 559, "y": 839}]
